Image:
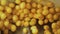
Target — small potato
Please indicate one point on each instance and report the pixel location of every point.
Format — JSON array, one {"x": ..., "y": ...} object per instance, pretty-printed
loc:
[
  {"x": 17, "y": 7},
  {"x": 26, "y": 11},
  {"x": 3, "y": 16},
  {"x": 39, "y": 11},
  {"x": 28, "y": 1},
  {"x": 1, "y": 8},
  {"x": 6, "y": 23},
  {"x": 13, "y": 28},
  {"x": 26, "y": 24},
  {"x": 18, "y": 23},
  {"x": 28, "y": 6},
  {"x": 33, "y": 27},
  {"x": 27, "y": 19},
  {"x": 45, "y": 12},
  {"x": 33, "y": 10},
  {"x": 40, "y": 22},
  {"x": 55, "y": 16},
  {"x": 46, "y": 27},
  {"x": 17, "y": 1},
  {"x": 3, "y": 2},
  {"x": 52, "y": 11},
  {"x": 51, "y": 20},
  {"x": 32, "y": 22},
  {"x": 31, "y": 15},
  {"x": 39, "y": 6},
  {"x": 34, "y": 5},
  {"x": 1, "y": 24},
  {"x": 49, "y": 16},
  {"x": 12, "y": 5},
  {"x": 47, "y": 32},
  {"x": 50, "y": 4},
  {"x": 25, "y": 30},
  {"x": 8, "y": 10},
  {"x": 57, "y": 9},
  {"x": 22, "y": 5},
  {"x": 46, "y": 21},
  {"x": 45, "y": 7},
  {"x": 58, "y": 23},
  {"x": 54, "y": 26},
  {"x": 58, "y": 31},
  {"x": 15, "y": 18}
]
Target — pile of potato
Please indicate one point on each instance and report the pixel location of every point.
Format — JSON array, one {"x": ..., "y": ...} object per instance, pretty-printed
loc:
[{"x": 25, "y": 13}]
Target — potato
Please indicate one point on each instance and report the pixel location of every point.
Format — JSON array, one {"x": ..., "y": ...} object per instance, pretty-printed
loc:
[
  {"x": 6, "y": 31},
  {"x": 33, "y": 27},
  {"x": 58, "y": 31},
  {"x": 22, "y": 5},
  {"x": 1, "y": 24},
  {"x": 57, "y": 9},
  {"x": 25, "y": 30},
  {"x": 13, "y": 28},
  {"x": 47, "y": 32},
  {"x": 39, "y": 6},
  {"x": 27, "y": 19},
  {"x": 51, "y": 20},
  {"x": 34, "y": 5},
  {"x": 28, "y": 1},
  {"x": 28, "y": 6},
  {"x": 1, "y": 8},
  {"x": 46, "y": 27},
  {"x": 39, "y": 11},
  {"x": 17, "y": 7},
  {"x": 17, "y": 1},
  {"x": 40, "y": 22},
  {"x": 33, "y": 10},
  {"x": 18, "y": 23},
  {"x": 12, "y": 5},
  {"x": 46, "y": 21}
]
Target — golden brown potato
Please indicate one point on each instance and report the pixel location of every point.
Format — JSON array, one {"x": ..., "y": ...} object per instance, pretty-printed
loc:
[
  {"x": 18, "y": 23},
  {"x": 1, "y": 8},
  {"x": 54, "y": 26},
  {"x": 28, "y": 1},
  {"x": 14, "y": 18},
  {"x": 6, "y": 23},
  {"x": 33, "y": 10},
  {"x": 22, "y": 5},
  {"x": 32, "y": 22},
  {"x": 52, "y": 11},
  {"x": 17, "y": 1},
  {"x": 28, "y": 6},
  {"x": 57, "y": 9},
  {"x": 51, "y": 20},
  {"x": 12, "y": 5},
  {"x": 34, "y": 5},
  {"x": 17, "y": 7},
  {"x": 46, "y": 27},
  {"x": 58, "y": 31},
  {"x": 27, "y": 19},
  {"x": 33, "y": 27},
  {"x": 40, "y": 22},
  {"x": 26, "y": 23},
  {"x": 6, "y": 31},
  {"x": 46, "y": 21},
  {"x": 45, "y": 12},
  {"x": 55, "y": 16},
  {"x": 47, "y": 32},
  {"x": 13, "y": 28},
  {"x": 25, "y": 30},
  {"x": 39, "y": 6},
  {"x": 1, "y": 24}
]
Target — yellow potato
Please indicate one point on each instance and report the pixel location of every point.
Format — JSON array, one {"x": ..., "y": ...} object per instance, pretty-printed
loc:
[
  {"x": 32, "y": 22},
  {"x": 55, "y": 16},
  {"x": 13, "y": 28},
  {"x": 45, "y": 12},
  {"x": 17, "y": 1},
  {"x": 18, "y": 23},
  {"x": 54, "y": 26},
  {"x": 31, "y": 15},
  {"x": 8, "y": 10},
  {"x": 25, "y": 30},
  {"x": 26, "y": 24},
  {"x": 46, "y": 21},
  {"x": 28, "y": 1},
  {"x": 47, "y": 32},
  {"x": 58, "y": 31},
  {"x": 57, "y": 9},
  {"x": 39, "y": 6},
  {"x": 27, "y": 19},
  {"x": 49, "y": 16},
  {"x": 39, "y": 11},
  {"x": 1, "y": 24},
  {"x": 45, "y": 7},
  {"x": 40, "y": 22},
  {"x": 34, "y": 5},
  {"x": 51, "y": 20},
  {"x": 46, "y": 27},
  {"x": 17, "y": 7},
  {"x": 33, "y": 27},
  {"x": 22, "y": 5},
  {"x": 1, "y": 8},
  {"x": 12, "y": 5},
  {"x": 15, "y": 18},
  {"x": 58, "y": 23},
  {"x": 28, "y": 6},
  {"x": 3, "y": 16},
  {"x": 3, "y": 2},
  {"x": 50, "y": 4},
  {"x": 52, "y": 11},
  {"x": 6, "y": 23},
  {"x": 33, "y": 10}
]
